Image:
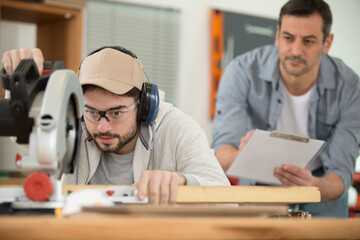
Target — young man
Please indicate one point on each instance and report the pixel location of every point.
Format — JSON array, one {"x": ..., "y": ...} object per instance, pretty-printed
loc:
[
  {"x": 118, "y": 145},
  {"x": 296, "y": 87}
]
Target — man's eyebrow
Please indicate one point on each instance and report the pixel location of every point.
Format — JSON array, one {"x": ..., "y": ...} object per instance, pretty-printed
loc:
[
  {"x": 310, "y": 36},
  {"x": 110, "y": 109},
  {"x": 292, "y": 35},
  {"x": 287, "y": 33}
]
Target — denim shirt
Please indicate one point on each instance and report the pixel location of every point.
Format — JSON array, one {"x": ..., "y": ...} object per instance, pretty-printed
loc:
[{"x": 249, "y": 97}]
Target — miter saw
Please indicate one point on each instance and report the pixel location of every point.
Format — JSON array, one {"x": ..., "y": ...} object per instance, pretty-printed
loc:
[{"x": 43, "y": 111}]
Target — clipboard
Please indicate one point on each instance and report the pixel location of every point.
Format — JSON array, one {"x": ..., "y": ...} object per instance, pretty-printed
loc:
[{"x": 267, "y": 150}]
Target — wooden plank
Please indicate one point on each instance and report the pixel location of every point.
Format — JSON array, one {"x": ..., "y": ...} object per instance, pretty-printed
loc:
[
  {"x": 218, "y": 194},
  {"x": 11, "y": 182},
  {"x": 249, "y": 194},
  {"x": 235, "y": 194}
]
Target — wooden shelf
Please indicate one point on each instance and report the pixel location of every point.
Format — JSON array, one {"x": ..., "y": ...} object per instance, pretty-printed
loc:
[
  {"x": 33, "y": 12},
  {"x": 59, "y": 30}
]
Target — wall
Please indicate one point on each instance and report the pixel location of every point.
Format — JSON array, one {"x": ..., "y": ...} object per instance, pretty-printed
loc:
[{"x": 16, "y": 35}]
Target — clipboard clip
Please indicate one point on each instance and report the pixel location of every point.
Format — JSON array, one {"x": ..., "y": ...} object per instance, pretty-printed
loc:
[{"x": 289, "y": 136}]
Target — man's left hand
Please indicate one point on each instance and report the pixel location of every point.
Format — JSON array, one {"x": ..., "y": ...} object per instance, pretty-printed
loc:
[
  {"x": 162, "y": 186},
  {"x": 290, "y": 175}
]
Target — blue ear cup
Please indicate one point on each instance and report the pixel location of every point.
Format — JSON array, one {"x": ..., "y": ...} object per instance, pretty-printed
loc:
[{"x": 149, "y": 103}]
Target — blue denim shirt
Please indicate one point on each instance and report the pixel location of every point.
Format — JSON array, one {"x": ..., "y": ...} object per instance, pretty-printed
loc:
[{"x": 249, "y": 97}]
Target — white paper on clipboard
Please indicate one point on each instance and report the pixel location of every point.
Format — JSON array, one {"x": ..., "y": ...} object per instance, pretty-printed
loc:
[{"x": 266, "y": 150}]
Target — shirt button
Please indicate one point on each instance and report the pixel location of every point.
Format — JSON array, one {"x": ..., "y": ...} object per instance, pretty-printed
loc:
[
  {"x": 268, "y": 126},
  {"x": 279, "y": 100}
]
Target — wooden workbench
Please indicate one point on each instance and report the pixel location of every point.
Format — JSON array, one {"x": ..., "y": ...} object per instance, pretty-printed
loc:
[
  {"x": 114, "y": 226},
  {"x": 93, "y": 225}
]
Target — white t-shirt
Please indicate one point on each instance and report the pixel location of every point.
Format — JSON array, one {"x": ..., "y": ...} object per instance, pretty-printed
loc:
[{"x": 294, "y": 115}]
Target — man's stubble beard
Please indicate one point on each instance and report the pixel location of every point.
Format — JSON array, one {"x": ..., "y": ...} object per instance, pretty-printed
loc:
[
  {"x": 307, "y": 68},
  {"x": 122, "y": 140},
  {"x": 292, "y": 72}
]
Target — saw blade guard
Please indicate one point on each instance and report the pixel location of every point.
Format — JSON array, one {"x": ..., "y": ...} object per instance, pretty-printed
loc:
[
  {"x": 56, "y": 132},
  {"x": 59, "y": 119}
]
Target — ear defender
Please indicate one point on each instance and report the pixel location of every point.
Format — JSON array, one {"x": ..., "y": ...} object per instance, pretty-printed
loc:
[
  {"x": 149, "y": 96},
  {"x": 149, "y": 103}
]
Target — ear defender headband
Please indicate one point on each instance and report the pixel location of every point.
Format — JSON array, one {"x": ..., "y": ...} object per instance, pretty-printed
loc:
[{"x": 148, "y": 107}]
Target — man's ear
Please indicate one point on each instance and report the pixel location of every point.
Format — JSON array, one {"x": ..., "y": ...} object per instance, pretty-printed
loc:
[
  {"x": 328, "y": 41},
  {"x": 277, "y": 36}
]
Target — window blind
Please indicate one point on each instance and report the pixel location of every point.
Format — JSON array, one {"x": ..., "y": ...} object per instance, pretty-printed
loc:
[{"x": 151, "y": 33}]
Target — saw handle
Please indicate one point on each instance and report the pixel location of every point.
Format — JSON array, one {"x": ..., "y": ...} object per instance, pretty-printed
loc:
[
  {"x": 49, "y": 67},
  {"x": 24, "y": 85}
]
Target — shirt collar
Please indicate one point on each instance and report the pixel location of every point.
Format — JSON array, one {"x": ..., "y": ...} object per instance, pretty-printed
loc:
[
  {"x": 326, "y": 78},
  {"x": 270, "y": 70}
]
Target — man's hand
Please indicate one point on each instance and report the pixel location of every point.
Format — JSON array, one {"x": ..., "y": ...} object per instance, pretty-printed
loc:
[
  {"x": 331, "y": 186},
  {"x": 244, "y": 140},
  {"x": 293, "y": 176},
  {"x": 226, "y": 154},
  {"x": 11, "y": 59},
  {"x": 162, "y": 186}
]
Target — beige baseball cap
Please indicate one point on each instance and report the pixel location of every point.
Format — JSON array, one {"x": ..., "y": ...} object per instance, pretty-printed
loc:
[{"x": 112, "y": 70}]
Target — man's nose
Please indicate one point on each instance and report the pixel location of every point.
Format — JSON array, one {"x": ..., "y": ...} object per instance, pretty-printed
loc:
[
  {"x": 297, "y": 47},
  {"x": 103, "y": 125}
]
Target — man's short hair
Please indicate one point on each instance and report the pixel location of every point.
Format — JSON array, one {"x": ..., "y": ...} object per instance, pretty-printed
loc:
[
  {"x": 305, "y": 8},
  {"x": 134, "y": 92}
]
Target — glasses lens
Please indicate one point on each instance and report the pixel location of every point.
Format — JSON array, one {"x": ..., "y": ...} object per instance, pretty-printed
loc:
[
  {"x": 92, "y": 115},
  {"x": 114, "y": 116}
]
